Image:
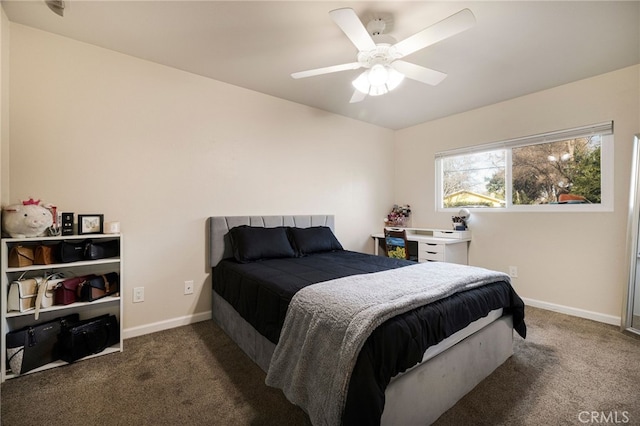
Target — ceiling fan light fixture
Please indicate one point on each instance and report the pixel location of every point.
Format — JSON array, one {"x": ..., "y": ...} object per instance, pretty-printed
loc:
[
  {"x": 378, "y": 75},
  {"x": 378, "y": 90},
  {"x": 362, "y": 83},
  {"x": 378, "y": 80}
]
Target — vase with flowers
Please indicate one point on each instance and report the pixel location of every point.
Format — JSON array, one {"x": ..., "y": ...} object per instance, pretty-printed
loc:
[{"x": 399, "y": 216}]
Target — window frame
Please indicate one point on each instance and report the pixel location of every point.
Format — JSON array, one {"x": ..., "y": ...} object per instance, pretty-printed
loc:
[{"x": 605, "y": 130}]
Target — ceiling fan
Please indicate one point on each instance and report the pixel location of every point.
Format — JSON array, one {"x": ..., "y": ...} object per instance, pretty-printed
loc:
[{"x": 381, "y": 55}]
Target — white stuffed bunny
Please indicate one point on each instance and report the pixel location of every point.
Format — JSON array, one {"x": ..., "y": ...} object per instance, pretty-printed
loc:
[{"x": 28, "y": 219}]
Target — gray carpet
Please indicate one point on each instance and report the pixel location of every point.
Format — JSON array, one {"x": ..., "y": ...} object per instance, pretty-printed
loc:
[{"x": 195, "y": 375}]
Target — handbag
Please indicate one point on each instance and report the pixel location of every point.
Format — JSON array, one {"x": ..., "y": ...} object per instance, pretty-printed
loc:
[
  {"x": 88, "y": 337},
  {"x": 36, "y": 345},
  {"x": 20, "y": 256},
  {"x": 46, "y": 292},
  {"x": 48, "y": 295},
  {"x": 44, "y": 255},
  {"x": 102, "y": 250},
  {"x": 66, "y": 291},
  {"x": 98, "y": 286},
  {"x": 71, "y": 251},
  {"x": 22, "y": 294}
]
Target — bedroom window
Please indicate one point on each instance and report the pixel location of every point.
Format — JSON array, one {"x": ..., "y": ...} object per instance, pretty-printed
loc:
[{"x": 568, "y": 170}]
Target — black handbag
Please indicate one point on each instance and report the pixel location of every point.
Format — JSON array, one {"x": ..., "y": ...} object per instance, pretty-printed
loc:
[
  {"x": 102, "y": 249},
  {"x": 71, "y": 251},
  {"x": 98, "y": 286},
  {"x": 87, "y": 337},
  {"x": 37, "y": 345}
]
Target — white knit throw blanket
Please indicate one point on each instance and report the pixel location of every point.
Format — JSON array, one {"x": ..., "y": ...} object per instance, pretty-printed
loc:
[{"x": 327, "y": 324}]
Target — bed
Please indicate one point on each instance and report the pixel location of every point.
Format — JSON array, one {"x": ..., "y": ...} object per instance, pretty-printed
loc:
[{"x": 404, "y": 367}]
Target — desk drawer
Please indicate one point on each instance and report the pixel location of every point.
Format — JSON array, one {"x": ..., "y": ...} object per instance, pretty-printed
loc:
[
  {"x": 452, "y": 234},
  {"x": 430, "y": 257},
  {"x": 431, "y": 247},
  {"x": 431, "y": 252}
]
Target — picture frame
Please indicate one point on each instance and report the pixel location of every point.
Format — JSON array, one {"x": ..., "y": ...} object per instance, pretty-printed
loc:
[{"x": 90, "y": 224}]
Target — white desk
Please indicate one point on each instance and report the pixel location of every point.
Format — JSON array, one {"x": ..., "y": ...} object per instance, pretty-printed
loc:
[{"x": 434, "y": 245}]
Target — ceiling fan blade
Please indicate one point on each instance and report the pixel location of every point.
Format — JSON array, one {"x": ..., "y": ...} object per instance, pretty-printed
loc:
[
  {"x": 358, "y": 96},
  {"x": 326, "y": 70},
  {"x": 439, "y": 31},
  {"x": 419, "y": 73},
  {"x": 351, "y": 25}
]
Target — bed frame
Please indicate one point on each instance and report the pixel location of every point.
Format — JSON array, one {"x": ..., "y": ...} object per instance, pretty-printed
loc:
[{"x": 448, "y": 371}]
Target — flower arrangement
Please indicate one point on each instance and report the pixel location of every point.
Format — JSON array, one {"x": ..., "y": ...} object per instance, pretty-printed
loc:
[{"x": 399, "y": 216}]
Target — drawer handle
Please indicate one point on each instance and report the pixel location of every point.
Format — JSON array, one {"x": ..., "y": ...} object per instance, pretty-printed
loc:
[{"x": 432, "y": 252}]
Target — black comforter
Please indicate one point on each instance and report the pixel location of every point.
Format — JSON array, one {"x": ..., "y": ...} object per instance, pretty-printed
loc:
[{"x": 261, "y": 292}]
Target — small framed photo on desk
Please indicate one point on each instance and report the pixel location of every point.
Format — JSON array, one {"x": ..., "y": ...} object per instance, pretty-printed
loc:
[{"x": 90, "y": 224}]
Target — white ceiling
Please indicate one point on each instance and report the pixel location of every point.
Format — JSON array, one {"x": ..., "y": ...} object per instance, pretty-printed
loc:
[{"x": 515, "y": 48}]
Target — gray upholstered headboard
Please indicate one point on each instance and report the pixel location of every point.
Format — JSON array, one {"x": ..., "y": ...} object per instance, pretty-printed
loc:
[{"x": 219, "y": 226}]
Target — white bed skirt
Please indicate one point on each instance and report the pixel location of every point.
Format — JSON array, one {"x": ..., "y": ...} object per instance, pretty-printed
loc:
[{"x": 422, "y": 394}]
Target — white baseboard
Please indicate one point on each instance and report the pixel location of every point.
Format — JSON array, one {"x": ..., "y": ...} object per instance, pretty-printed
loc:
[
  {"x": 165, "y": 325},
  {"x": 203, "y": 316},
  {"x": 595, "y": 316}
]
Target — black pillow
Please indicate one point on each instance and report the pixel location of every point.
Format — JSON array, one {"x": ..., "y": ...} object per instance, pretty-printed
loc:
[
  {"x": 316, "y": 239},
  {"x": 251, "y": 243}
]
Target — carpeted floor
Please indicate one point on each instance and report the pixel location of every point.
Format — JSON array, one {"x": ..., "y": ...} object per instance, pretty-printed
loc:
[{"x": 565, "y": 372}]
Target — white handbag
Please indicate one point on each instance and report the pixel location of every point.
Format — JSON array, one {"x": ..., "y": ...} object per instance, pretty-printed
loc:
[
  {"x": 22, "y": 294},
  {"x": 49, "y": 292},
  {"x": 46, "y": 292}
]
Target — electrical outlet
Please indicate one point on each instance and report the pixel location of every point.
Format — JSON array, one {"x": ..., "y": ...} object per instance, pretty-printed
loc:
[
  {"x": 138, "y": 294},
  {"x": 188, "y": 287},
  {"x": 513, "y": 271}
]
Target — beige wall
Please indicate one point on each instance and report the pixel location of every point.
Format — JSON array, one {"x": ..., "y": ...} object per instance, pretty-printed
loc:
[
  {"x": 564, "y": 260},
  {"x": 160, "y": 150}
]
